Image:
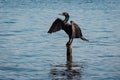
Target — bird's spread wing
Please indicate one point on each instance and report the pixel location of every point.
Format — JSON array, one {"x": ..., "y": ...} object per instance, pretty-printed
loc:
[
  {"x": 56, "y": 26},
  {"x": 77, "y": 31}
]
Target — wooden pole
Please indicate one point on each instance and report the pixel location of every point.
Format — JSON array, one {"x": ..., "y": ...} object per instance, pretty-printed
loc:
[{"x": 69, "y": 53}]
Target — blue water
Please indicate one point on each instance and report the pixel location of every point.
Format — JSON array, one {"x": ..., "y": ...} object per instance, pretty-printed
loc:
[{"x": 28, "y": 52}]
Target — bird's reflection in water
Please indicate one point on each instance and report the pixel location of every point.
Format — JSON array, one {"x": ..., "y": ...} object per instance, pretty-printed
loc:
[{"x": 70, "y": 71}]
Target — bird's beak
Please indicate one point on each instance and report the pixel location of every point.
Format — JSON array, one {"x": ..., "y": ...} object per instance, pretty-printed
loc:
[{"x": 60, "y": 14}]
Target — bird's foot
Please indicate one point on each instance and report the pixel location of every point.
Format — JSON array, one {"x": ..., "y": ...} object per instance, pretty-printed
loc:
[{"x": 68, "y": 43}]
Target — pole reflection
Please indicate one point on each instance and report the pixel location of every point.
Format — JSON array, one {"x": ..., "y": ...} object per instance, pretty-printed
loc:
[{"x": 69, "y": 71}]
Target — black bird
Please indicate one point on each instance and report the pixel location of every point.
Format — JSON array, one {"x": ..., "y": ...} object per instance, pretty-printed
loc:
[{"x": 72, "y": 29}]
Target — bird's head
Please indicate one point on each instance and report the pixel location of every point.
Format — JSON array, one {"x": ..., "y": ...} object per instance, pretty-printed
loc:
[{"x": 64, "y": 14}]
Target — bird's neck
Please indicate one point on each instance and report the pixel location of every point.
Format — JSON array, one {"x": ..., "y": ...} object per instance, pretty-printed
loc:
[{"x": 66, "y": 19}]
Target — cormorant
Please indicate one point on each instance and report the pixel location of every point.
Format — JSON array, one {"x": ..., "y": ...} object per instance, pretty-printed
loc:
[{"x": 72, "y": 29}]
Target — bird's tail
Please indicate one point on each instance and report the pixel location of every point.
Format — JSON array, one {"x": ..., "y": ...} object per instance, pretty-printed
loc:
[{"x": 84, "y": 39}]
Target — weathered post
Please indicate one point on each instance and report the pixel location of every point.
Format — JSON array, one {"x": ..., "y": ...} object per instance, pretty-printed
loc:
[{"x": 69, "y": 53}]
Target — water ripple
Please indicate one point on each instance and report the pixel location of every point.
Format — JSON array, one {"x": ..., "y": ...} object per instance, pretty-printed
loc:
[
  {"x": 9, "y": 22},
  {"x": 16, "y": 69},
  {"x": 7, "y": 34}
]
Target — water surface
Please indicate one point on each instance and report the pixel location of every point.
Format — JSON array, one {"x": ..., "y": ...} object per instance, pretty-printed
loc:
[{"x": 28, "y": 52}]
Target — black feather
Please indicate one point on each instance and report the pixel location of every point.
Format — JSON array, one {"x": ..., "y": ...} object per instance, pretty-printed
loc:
[{"x": 56, "y": 26}]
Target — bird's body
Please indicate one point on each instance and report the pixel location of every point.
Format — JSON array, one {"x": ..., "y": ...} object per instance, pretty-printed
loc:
[{"x": 72, "y": 29}]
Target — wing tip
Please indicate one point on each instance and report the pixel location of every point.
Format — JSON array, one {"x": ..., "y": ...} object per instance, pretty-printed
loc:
[{"x": 49, "y": 32}]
